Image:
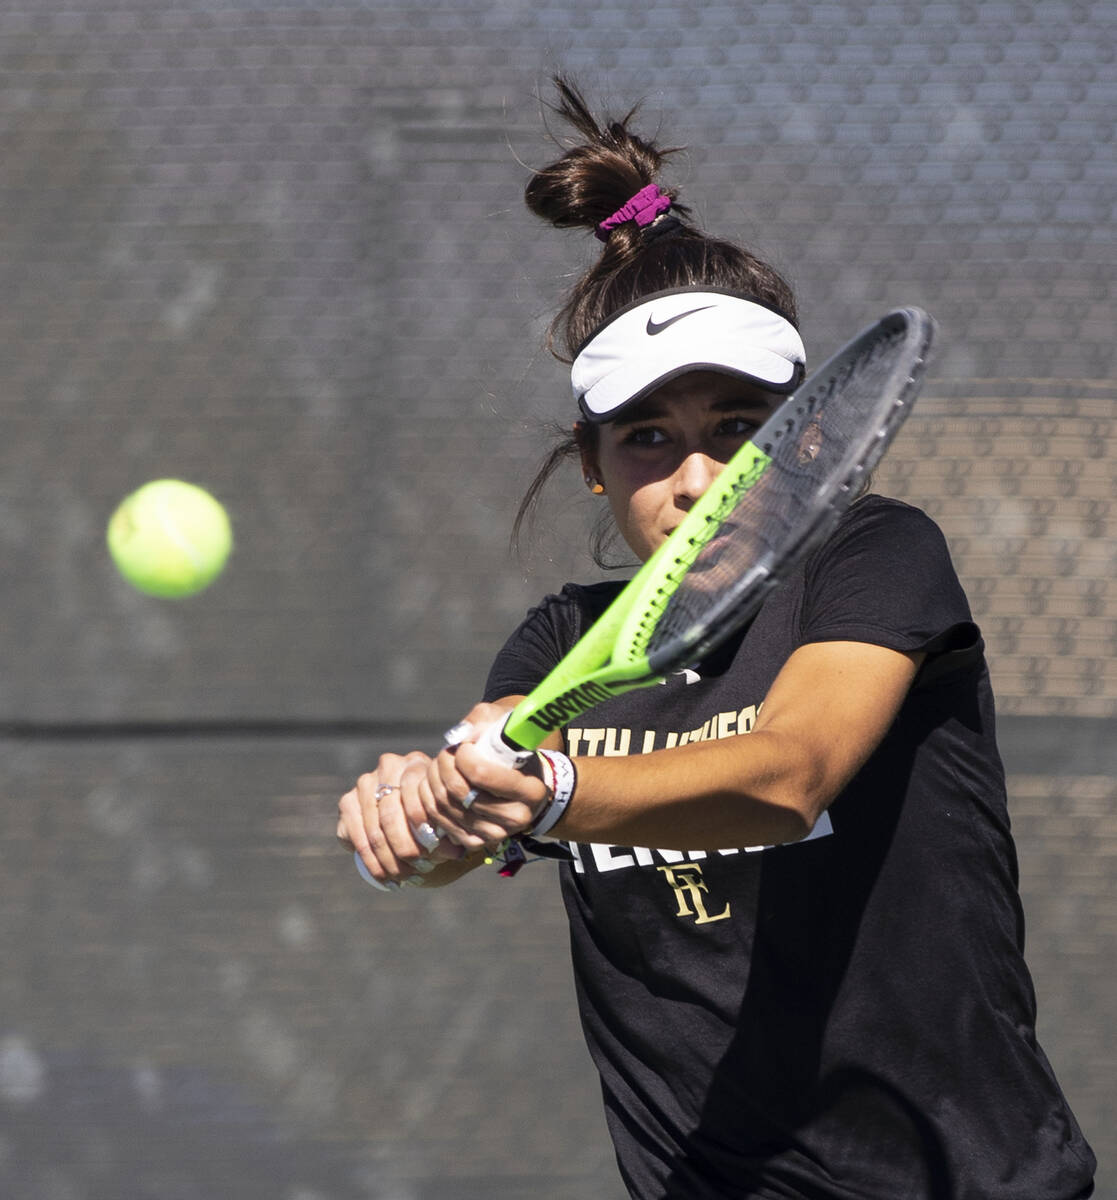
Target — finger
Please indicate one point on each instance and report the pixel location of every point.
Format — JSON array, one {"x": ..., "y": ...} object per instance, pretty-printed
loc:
[
  {"x": 397, "y": 830},
  {"x": 379, "y": 855},
  {"x": 390, "y": 768},
  {"x": 456, "y": 835},
  {"x": 427, "y": 836},
  {"x": 474, "y": 817},
  {"x": 455, "y": 791},
  {"x": 440, "y": 810},
  {"x": 351, "y": 832},
  {"x": 361, "y": 829},
  {"x": 463, "y": 731},
  {"x": 432, "y": 825},
  {"x": 426, "y": 833},
  {"x": 474, "y": 723},
  {"x": 493, "y": 819},
  {"x": 348, "y": 819},
  {"x": 412, "y": 838},
  {"x": 522, "y": 784},
  {"x": 493, "y": 833}
]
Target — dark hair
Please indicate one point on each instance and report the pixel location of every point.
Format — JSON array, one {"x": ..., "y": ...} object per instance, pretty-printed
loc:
[{"x": 601, "y": 169}]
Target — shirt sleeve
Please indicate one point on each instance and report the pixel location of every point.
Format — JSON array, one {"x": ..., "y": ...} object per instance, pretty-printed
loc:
[
  {"x": 885, "y": 577},
  {"x": 543, "y": 637}
]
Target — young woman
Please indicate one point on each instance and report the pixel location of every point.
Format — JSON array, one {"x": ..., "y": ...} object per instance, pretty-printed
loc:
[{"x": 791, "y": 885}]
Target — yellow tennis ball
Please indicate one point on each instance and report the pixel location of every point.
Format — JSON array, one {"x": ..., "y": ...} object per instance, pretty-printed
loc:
[{"x": 170, "y": 538}]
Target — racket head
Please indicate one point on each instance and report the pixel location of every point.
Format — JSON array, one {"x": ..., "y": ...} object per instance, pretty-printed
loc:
[
  {"x": 823, "y": 444},
  {"x": 779, "y": 496}
]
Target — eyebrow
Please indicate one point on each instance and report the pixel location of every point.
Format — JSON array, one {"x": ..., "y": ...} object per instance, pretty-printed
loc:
[{"x": 650, "y": 410}]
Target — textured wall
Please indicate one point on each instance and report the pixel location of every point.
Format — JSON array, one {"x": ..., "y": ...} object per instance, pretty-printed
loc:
[{"x": 281, "y": 251}]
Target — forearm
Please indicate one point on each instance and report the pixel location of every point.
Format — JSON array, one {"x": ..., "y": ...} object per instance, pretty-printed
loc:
[
  {"x": 750, "y": 790},
  {"x": 824, "y": 715}
]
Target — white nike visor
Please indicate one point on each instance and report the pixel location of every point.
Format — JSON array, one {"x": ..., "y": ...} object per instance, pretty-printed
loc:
[{"x": 667, "y": 334}]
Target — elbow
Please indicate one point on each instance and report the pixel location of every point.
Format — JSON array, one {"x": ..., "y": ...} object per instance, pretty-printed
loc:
[
  {"x": 799, "y": 784},
  {"x": 798, "y": 805},
  {"x": 793, "y": 823}
]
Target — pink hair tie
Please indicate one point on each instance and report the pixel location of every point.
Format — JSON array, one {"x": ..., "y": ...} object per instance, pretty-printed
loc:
[{"x": 643, "y": 208}]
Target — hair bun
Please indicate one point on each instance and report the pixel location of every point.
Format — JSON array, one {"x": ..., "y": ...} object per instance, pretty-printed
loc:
[
  {"x": 597, "y": 175},
  {"x": 605, "y": 168}
]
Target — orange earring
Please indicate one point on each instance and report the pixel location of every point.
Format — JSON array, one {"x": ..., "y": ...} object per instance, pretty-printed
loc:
[{"x": 595, "y": 486}]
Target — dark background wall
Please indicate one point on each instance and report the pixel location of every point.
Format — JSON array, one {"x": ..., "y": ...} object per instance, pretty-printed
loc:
[{"x": 280, "y": 251}]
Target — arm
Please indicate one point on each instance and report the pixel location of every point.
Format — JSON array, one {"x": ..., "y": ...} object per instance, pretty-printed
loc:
[
  {"x": 826, "y": 712},
  {"x": 824, "y": 715}
]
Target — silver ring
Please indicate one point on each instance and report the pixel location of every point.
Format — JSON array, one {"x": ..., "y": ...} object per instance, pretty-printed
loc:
[
  {"x": 385, "y": 789},
  {"x": 426, "y": 836},
  {"x": 469, "y": 797}
]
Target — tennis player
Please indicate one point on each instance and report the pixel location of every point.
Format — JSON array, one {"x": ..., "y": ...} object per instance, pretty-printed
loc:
[{"x": 791, "y": 885}]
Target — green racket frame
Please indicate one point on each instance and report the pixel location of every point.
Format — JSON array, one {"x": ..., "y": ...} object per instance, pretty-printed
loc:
[{"x": 611, "y": 657}]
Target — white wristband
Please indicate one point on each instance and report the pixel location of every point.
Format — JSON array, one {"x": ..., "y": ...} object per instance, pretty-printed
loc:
[{"x": 564, "y": 779}]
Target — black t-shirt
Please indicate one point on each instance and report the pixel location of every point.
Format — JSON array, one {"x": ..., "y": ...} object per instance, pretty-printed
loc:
[{"x": 847, "y": 1016}]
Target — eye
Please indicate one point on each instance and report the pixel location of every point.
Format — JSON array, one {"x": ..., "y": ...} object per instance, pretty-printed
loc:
[
  {"x": 737, "y": 427},
  {"x": 645, "y": 435}
]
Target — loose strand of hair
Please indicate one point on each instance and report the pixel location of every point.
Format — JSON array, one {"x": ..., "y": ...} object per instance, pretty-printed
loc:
[{"x": 564, "y": 449}]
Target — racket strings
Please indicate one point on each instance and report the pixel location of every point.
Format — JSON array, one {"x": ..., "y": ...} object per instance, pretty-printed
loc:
[
  {"x": 818, "y": 467},
  {"x": 683, "y": 562}
]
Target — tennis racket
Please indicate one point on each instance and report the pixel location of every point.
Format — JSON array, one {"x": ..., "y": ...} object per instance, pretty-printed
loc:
[
  {"x": 775, "y": 500},
  {"x": 778, "y": 497}
]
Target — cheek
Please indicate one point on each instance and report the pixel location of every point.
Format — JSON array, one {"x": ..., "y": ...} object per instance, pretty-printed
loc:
[
  {"x": 638, "y": 488},
  {"x": 625, "y": 473},
  {"x": 638, "y": 513},
  {"x": 623, "y": 484}
]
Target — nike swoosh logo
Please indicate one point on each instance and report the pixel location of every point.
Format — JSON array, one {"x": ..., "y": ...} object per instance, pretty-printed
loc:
[{"x": 654, "y": 327}]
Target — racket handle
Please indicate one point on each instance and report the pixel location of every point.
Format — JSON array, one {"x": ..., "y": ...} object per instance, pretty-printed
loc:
[
  {"x": 491, "y": 743},
  {"x": 369, "y": 878}
]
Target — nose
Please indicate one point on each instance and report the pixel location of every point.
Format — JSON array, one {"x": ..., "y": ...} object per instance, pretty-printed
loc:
[{"x": 693, "y": 476}]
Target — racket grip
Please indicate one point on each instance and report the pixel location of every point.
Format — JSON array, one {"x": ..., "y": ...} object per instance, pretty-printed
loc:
[
  {"x": 368, "y": 877},
  {"x": 491, "y": 743}
]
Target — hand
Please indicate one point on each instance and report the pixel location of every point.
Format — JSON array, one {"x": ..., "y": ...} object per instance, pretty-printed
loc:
[
  {"x": 384, "y": 822},
  {"x": 480, "y": 802}
]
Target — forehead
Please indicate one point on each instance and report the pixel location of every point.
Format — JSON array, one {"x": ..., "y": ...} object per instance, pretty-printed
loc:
[{"x": 700, "y": 391}]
